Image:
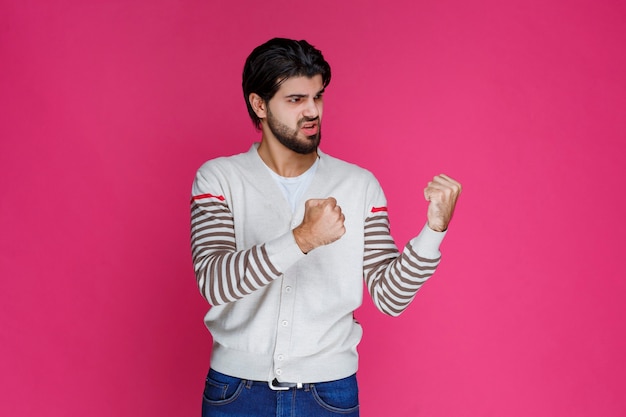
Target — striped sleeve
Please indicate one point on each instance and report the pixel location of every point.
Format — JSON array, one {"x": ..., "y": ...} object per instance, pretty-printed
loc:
[
  {"x": 394, "y": 278},
  {"x": 223, "y": 273}
]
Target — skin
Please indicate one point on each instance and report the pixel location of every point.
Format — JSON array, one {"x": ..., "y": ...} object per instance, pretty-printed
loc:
[
  {"x": 442, "y": 194},
  {"x": 291, "y": 129}
]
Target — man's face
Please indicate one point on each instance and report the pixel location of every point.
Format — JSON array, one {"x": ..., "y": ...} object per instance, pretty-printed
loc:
[{"x": 294, "y": 114}]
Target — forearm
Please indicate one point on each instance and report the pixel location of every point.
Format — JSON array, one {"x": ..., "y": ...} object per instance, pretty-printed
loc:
[
  {"x": 225, "y": 274},
  {"x": 224, "y": 277},
  {"x": 394, "y": 278}
]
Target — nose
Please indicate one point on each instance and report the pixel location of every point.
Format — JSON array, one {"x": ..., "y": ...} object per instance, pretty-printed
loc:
[{"x": 312, "y": 109}]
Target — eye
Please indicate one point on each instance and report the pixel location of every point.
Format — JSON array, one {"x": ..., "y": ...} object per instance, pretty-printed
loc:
[{"x": 319, "y": 96}]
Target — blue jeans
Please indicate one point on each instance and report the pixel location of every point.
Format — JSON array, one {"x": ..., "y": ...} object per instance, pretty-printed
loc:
[{"x": 227, "y": 396}]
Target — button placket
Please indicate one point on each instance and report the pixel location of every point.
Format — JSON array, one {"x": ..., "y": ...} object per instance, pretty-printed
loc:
[{"x": 284, "y": 329}]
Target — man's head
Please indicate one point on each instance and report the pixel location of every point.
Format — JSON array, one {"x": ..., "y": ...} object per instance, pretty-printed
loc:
[{"x": 271, "y": 64}]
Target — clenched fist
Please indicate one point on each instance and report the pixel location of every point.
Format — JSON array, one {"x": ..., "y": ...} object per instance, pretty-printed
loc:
[
  {"x": 322, "y": 224},
  {"x": 442, "y": 193}
]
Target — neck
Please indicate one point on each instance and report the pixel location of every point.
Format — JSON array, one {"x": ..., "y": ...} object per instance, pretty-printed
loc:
[{"x": 284, "y": 161}]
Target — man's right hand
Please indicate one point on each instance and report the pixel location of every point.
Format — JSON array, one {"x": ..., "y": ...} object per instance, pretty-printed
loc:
[{"x": 323, "y": 223}]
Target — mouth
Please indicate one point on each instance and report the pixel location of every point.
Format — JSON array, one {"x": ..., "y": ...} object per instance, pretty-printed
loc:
[{"x": 310, "y": 128}]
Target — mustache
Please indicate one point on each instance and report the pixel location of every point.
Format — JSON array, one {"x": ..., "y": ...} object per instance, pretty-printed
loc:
[{"x": 308, "y": 120}]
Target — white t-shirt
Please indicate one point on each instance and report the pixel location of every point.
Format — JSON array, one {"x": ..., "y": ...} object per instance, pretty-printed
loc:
[{"x": 294, "y": 187}]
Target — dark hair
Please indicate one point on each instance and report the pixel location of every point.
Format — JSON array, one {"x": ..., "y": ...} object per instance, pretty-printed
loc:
[{"x": 270, "y": 64}]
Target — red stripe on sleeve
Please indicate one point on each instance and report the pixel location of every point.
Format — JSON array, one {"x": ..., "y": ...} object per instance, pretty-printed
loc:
[
  {"x": 376, "y": 209},
  {"x": 201, "y": 196}
]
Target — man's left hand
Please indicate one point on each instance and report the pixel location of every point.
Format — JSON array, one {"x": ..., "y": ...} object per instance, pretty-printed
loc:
[{"x": 442, "y": 193}]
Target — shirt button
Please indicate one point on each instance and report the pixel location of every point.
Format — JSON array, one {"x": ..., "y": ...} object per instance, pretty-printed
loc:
[
  {"x": 279, "y": 372},
  {"x": 285, "y": 323},
  {"x": 288, "y": 290},
  {"x": 280, "y": 357}
]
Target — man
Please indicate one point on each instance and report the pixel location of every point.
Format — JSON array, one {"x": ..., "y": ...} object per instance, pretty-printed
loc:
[{"x": 282, "y": 236}]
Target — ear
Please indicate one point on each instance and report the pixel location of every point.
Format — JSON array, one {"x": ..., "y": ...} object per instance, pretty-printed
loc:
[{"x": 258, "y": 105}]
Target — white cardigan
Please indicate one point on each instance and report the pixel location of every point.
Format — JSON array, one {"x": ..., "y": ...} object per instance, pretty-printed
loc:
[{"x": 276, "y": 312}]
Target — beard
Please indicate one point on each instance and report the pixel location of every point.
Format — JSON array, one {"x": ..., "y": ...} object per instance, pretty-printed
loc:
[{"x": 289, "y": 137}]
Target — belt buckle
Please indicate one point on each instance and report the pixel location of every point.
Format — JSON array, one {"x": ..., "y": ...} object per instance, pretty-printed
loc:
[{"x": 276, "y": 385}]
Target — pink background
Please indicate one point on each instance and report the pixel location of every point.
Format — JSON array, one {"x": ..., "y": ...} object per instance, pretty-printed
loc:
[{"x": 107, "y": 108}]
